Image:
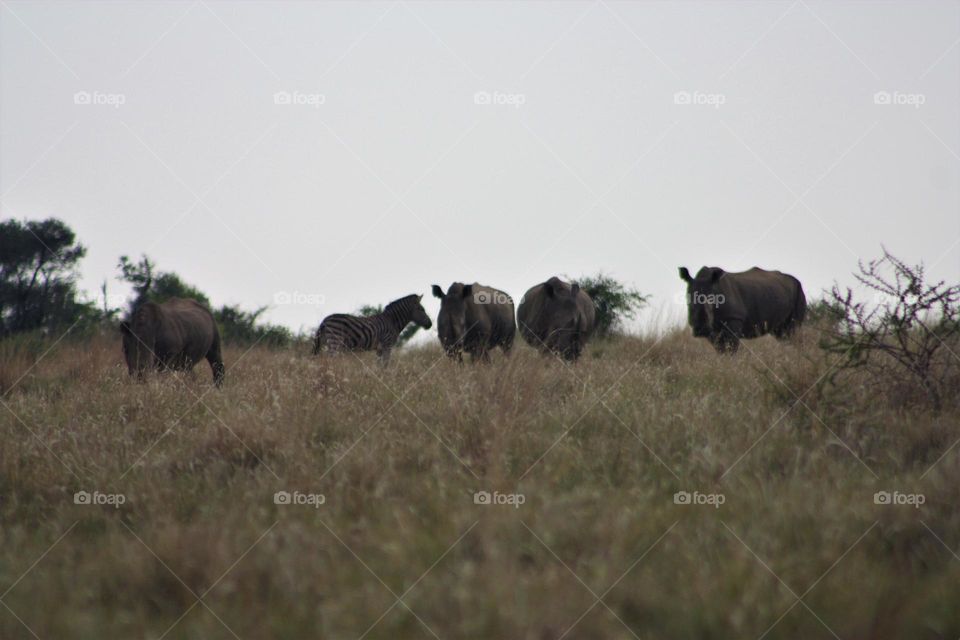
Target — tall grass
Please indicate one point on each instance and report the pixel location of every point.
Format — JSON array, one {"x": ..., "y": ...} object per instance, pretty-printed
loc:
[{"x": 597, "y": 450}]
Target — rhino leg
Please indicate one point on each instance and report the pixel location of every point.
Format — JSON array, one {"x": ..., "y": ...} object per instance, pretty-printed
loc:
[
  {"x": 215, "y": 359},
  {"x": 727, "y": 339},
  {"x": 787, "y": 331},
  {"x": 726, "y": 343},
  {"x": 480, "y": 354}
]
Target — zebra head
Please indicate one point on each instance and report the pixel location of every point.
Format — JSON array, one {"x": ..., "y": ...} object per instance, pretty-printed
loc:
[
  {"x": 420, "y": 316},
  {"x": 409, "y": 309}
]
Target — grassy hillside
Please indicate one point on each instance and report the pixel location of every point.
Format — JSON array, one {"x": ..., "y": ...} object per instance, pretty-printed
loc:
[{"x": 399, "y": 548}]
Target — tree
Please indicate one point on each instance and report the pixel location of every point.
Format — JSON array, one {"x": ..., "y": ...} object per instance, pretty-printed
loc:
[
  {"x": 408, "y": 332},
  {"x": 241, "y": 327},
  {"x": 236, "y": 326},
  {"x": 156, "y": 287},
  {"x": 824, "y": 313},
  {"x": 905, "y": 329},
  {"x": 614, "y": 301},
  {"x": 38, "y": 265}
]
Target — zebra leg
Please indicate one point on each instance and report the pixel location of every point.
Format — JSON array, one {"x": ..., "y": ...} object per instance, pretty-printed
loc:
[{"x": 384, "y": 354}]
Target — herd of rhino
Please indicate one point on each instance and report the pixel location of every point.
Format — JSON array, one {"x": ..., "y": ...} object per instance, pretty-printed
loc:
[{"x": 554, "y": 317}]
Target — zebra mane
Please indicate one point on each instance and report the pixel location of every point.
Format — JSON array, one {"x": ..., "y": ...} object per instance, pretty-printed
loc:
[{"x": 406, "y": 303}]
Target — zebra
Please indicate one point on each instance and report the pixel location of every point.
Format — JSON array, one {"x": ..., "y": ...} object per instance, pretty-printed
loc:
[{"x": 343, "y": 332}]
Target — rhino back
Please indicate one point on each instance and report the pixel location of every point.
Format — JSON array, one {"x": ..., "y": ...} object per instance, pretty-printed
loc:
[
  {"x": 588, "y": 313},
  {"x": 496, "y": 316},
  {"x": 535, "y": 309},
  {"x": 494, "y": 320},
  {"x": 184, "y": 327},
  {"x": 760, "y": 298},
  {"x": 530, "y": 312}
]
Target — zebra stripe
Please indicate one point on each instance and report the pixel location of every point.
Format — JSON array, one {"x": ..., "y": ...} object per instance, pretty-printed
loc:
[{"x": 343, "y": 332}]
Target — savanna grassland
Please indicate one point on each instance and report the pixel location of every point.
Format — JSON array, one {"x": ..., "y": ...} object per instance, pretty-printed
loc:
[{"x": 399, "y": 548}]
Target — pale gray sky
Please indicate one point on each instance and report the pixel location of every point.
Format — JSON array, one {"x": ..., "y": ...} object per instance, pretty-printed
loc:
[{"x": 499, "y": 142}]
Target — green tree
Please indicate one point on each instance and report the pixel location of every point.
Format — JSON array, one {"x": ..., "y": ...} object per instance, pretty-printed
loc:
[
  {"x": 825, "y": 313},
  {"x": 242, "y": 327},
  {"x": 38, "y": 269},
  {"x": 614, "y": 301},
  {"x": 236, "y": 326},
  {"x": 156, "y": 286}
]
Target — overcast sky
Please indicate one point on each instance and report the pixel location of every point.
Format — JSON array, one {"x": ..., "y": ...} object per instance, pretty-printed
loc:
[{"x": 338, "y": 154}]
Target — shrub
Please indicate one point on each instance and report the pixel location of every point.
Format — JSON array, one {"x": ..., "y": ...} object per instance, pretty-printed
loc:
[
  {"x": 825, "y": 313},
  {"x": 905, "y": 330},
  {"x": 241, "y": 327},
  {"x": 236, "y": 325},
  {"x": 614, "y": 301}
]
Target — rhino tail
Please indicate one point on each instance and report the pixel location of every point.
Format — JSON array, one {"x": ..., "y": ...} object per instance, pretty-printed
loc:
[{"x": 799, "y": 305}]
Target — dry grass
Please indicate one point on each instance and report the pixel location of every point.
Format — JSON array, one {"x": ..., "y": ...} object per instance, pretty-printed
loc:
[{"x": 597, "y": 450}]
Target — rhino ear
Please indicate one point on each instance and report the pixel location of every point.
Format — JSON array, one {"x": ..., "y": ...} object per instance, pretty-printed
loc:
[
  {"x": 437, "y": 292},
  {"x": 467, "y": 290},
  {"x": 685, "y": 275},
  {"x": 553, "y": 285},
  {"x": 716, "y": 275},
  {"x": 574, "y": 290},
  {"x": 125, "y": 328}
]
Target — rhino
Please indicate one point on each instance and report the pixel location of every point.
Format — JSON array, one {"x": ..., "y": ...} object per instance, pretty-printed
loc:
[
  {"x": 557, "y": 317},
  {"x": 476, "y": 319},
  {"x": 727, "y": 307},
  {"x": 174, "y": 335}
]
